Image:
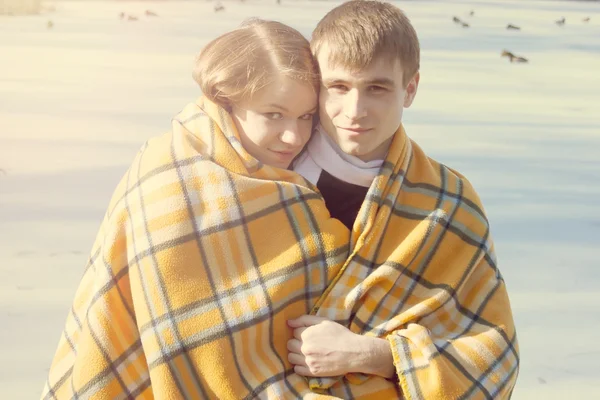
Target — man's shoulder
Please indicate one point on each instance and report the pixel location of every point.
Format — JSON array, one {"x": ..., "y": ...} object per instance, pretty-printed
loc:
[{"x": 444, "y": 182}]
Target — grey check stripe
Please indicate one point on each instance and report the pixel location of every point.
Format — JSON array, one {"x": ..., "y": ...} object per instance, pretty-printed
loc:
[
  {"x": 457, "y": 228},
  {"x": 137, "y": 345},
  {"x": 432, "y": 191},
  {"x": 143, "y": 386},
  {"x": 179, "y": 312},
  {"x": 393, "y": 177},
  {"x": 112, "y": 368},
  {"x": 76, "y": 318},
  {"x": 275, "y": 378},
  {"x": 91, "y": 260},
  {"x": 112, "y": 365},
  {"x": 347, "y": 389},
  {"x": 425, "y": 263},
  {"x": 514, "y": 370},
  {"x": 68, "y": 339},
  {"x": 442, "y": 352},
  {"x": 263, "y": 286},
  {"x": 151, "y": 174},
  {"x": 325, "y": 260},
  {"x": 462, "y": 369},
  {"x": 197, "y": 236},
  {"x": 75, "y": 394},
  {"x": 191, "y": 118},
  {"x": 366, "y": 327},
  {"x": 144, "y": 285},
  {"x": 471, "y": 323},
  {"x": 304, "y": 252},
  {"x": 114, "y": 281},
  {"x": 228, "y": 331},
  {"x": 408, "y": 359},
  {"x": 492, "y": 367},
  {"x": 51, "y": 390},
  {"x": 156, "y": 248},
  {"x": 184, "y": 163}
]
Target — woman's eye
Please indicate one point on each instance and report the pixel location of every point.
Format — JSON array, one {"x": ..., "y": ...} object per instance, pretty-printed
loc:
[
  {"x": 274, "y": 115},
  {"x": 338, "y": 88},
  {"x": 307, "y": 117}
]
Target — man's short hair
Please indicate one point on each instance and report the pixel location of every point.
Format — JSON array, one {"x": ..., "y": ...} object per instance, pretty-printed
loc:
[{"x": 360, "y": 31}]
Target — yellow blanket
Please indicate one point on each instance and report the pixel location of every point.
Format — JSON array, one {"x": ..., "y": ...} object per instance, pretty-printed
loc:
[
  {"x": 422, "y": 273},
  {"x": 204, "y": 254}
]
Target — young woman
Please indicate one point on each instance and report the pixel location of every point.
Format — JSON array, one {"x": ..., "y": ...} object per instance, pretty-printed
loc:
[{"x": 210, "y": 245}]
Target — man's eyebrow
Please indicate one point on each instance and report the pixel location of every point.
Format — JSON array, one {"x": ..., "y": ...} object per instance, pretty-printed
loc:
[
  {"x": 381, "y": 81},
  {"x": 375, "y": 81}
]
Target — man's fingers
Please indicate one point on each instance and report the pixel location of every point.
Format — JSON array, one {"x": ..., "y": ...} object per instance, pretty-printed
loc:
[
  {"x": 302, "y": 370},
  {"x": 298, "y": 333},
  {"x": 295, "y": 346},
  {"x": 305, "y": 320},
  {"x": 297, "y": 359}
]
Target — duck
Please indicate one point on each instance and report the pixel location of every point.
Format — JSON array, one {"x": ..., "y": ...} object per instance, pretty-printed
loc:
[
  {"x": 560, "y": 22},
  {"x": 513, "y": 58},
  {"x": 513, "y": 27}
]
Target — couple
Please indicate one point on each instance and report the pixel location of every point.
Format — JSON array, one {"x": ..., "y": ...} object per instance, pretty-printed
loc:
[{"x": 252, "y": 252}]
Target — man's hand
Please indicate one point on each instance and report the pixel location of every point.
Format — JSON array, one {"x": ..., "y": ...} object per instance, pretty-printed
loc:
[{"x": 323, "y": 348}]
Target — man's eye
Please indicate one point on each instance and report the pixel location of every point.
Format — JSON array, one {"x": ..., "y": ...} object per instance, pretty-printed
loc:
[
  {"x": 377, "y": 89},
  {"x": 274, "y": 115},
  {"x": 307, "y": 117}
]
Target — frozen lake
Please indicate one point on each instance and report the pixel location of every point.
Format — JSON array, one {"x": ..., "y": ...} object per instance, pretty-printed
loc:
[{"x": 79, "y": 99}]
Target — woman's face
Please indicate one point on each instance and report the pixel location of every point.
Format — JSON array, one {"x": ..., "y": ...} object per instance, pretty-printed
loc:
[{"x": 276, "y": 123}]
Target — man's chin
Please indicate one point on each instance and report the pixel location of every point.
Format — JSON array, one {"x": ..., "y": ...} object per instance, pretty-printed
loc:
[{"x": 351, "y": 149}]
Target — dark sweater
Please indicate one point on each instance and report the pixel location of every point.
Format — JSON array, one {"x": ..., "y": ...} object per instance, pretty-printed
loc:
[{"x": 343, "y": 199}]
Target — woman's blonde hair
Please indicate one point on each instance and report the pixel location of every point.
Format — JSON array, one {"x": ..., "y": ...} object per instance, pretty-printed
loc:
[{"x": 239, "y": 63}]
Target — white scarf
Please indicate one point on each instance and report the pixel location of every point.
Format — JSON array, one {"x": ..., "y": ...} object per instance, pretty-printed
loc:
[{"x": 322, "y": 153}]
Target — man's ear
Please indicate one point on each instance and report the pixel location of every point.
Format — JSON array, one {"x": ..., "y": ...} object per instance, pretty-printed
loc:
[{"x": 411, "y": 90}]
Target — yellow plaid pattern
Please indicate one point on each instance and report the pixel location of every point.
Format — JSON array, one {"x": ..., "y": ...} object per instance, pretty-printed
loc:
[
  {"x": 422, "y": 273},
  {"x": 202, "y": 257},
  {"x": 204, "y": 254}
]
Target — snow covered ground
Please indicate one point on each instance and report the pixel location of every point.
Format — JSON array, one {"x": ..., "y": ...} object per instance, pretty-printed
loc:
[{"x": 78, "y": 99}]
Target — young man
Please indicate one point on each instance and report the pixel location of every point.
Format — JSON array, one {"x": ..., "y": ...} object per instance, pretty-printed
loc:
[{"x": 420, "y": 302}]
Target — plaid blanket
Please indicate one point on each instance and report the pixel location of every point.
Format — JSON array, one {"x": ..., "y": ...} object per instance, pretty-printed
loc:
[
  {"x": 202, "y": 257},
  {"x": 204, "y": 254},
  {"x": 422, "y": 273}
]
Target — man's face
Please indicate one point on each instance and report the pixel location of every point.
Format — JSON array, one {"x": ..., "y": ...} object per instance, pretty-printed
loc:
[{"x": 362, "y": 110}]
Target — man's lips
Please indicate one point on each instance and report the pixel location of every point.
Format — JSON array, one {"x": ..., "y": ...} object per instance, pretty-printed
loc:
[{"x": 356, "y": 130}]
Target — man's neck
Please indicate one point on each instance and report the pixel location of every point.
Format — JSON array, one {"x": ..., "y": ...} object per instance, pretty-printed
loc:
[
  {"x": 366, "y": 161},
  {"x": 323, "y": 153}
]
